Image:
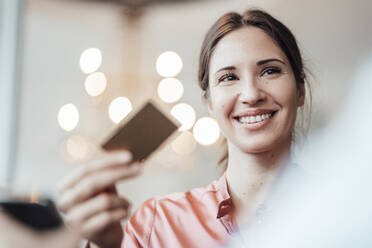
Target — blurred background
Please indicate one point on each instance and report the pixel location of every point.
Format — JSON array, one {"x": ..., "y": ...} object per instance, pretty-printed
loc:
[{"x": 71, "y": 70}]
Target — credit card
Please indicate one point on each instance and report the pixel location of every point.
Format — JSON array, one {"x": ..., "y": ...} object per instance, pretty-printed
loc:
[{"x": 143, "y": 133}]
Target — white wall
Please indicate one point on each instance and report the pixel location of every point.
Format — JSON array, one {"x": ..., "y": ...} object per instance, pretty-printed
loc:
[
  {"x": 333, "y": 35},
  {"x": 9, "y": 31}
]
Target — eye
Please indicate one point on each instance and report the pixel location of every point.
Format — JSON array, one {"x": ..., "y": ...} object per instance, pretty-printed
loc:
[
  {"x": 270, "y": 71},
  {"x": 227, "y": 77}
]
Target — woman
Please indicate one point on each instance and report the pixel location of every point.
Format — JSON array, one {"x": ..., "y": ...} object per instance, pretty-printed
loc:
[{"x": 252, "y": 76}]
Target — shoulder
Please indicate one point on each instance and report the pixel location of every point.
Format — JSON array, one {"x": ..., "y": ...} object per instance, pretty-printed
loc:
[
  {"x": 179, "y": 207},
  {"x": 173, "y": 202},
  {"x": 144, "y": 220},
  {"x": 180, "y": 201}
]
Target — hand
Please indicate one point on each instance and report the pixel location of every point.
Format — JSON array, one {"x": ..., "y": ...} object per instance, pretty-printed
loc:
[
  {"x": 90, "y": 201},
  {"x": 14, "y": 234}
]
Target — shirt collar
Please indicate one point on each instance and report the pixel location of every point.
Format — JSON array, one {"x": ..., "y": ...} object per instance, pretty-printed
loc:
[{"x": 223, "y": 196}]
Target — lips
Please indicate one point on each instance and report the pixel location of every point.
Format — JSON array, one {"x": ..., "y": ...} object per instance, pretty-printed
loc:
[
  {"x": 254, "y": 119},
  {"x": 254, "y": 113}
]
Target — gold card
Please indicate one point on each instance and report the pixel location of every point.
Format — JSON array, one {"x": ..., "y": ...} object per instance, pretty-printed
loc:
[{"x": 143, "y": 133}]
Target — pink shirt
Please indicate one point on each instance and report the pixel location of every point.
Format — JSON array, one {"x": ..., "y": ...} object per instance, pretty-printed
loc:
[{"x": 201, "y": 217}]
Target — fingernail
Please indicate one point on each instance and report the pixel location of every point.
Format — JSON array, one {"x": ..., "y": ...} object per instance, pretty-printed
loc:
[{"x": 126, "y": 156}]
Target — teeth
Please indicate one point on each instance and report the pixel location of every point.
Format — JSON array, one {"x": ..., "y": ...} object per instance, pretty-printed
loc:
[{"x": 254, "y": 119}]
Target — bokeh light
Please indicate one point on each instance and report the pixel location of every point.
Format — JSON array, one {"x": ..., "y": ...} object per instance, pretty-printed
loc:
[
  {"x": 206, "y": 131},
  {"x": 185, "y": 114},
  {"x": 170, "y": 90},
  {"x": 95, "y": 83},
  {"x": 34, "y": 196},
  {"x": 77, "y": 147},
  {"x": 68, "y": 117},
  {"x": 119, "y": 108},
  {"x": 169, "y": 64},
  {"x": 90, "y": 60},
  {"x": 184, "y": 144}
]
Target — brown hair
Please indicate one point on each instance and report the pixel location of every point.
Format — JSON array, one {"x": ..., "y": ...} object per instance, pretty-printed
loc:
[{"x": 251, "y": 18}]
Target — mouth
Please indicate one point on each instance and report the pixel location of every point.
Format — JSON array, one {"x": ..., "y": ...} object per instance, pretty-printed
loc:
[{"x": 257, "y": 118}]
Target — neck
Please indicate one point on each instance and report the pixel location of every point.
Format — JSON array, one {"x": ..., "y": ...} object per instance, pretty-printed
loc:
[{"x": 250, "y": 175}]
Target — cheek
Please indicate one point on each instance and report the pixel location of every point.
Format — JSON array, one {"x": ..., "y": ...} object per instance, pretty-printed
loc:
[
  {"x": 285, "y": 94},
  {"x": 222, "y": 102}
]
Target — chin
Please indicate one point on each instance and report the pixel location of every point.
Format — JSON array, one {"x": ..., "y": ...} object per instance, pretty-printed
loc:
[
  {"x": 256, "y": 149},
  {"x": 260, "y": 146}
]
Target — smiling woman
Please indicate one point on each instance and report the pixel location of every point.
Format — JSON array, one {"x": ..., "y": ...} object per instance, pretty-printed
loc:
[
  {"x": 253, "y": 93},
  {"x": 257, "y": 43},
  {"x": 253, "y": 79}
]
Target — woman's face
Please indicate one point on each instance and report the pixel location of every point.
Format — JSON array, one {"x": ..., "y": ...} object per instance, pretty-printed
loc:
[{"x": 253, "y": 93}]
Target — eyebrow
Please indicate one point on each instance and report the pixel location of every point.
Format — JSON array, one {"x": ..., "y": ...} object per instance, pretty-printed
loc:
[
  {"x": 261, "y": 62},
  {"x": 227, "y": 68}
]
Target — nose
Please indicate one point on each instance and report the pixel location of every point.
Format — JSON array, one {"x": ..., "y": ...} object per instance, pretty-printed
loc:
[{"x": 250, "y": 93}]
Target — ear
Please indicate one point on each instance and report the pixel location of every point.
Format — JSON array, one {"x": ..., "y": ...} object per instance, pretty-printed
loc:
[{"x": 301, "y": 92}]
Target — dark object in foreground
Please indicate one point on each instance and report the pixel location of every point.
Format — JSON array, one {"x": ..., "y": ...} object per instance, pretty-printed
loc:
[{"x": 40, "y": 216}]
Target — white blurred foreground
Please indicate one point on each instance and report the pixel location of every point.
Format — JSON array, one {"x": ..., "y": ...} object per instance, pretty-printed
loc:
[{"x": 335, "y": 209}]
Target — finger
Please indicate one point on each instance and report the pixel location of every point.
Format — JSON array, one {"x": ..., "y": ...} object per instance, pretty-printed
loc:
[
  {"x": 94, "y": 206},
  {"x": 11, "y": 230},
  {"x": 103, "y": 220},
  {"x": 9, "y": 223},
  {"x": 95, "y": 184},
  {"x": 59, "y": 238},
  {"x": 113, "y": 159}
]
